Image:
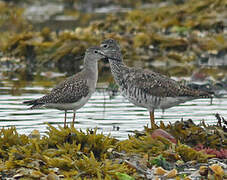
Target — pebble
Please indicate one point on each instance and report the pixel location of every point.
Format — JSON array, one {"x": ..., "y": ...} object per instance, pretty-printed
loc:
[
  {"x": 203, "y": 170},
  {"x": 217, "y": 170},
  {"x": 35, "y": 134},
  {"x": 171, "y": 174},
  {"x": 164, "y": 134},
  {"x": 17, "y": 176},
  {"x": 52, "y": 176},
  {"x": 159, "y": 171}
]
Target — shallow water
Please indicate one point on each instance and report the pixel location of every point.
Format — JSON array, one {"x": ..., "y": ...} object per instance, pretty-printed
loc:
[{"x": 101, "y": 112}]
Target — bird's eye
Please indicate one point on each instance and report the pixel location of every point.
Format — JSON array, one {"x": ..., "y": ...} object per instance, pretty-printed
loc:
[
  {"x": 104, "y": 45},
  {"x": 95, "y": 51}
]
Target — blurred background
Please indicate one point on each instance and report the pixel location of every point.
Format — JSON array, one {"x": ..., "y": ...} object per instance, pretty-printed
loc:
[{"x": 43, "y": 42}]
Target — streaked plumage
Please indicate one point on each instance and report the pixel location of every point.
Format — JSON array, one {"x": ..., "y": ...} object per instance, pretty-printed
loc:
[
  {"x": 145, "y": 88},
  {"x": 75, "y": 91}
]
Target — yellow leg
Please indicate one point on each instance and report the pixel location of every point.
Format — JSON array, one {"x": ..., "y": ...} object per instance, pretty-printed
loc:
[
  {"x": 65, "y": 119},
  {"x": 74, "y": 117},
  {"x": 152, "y": 119}
]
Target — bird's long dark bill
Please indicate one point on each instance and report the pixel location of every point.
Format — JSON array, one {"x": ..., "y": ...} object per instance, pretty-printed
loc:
[
  {"x": 100, "y": 52},
  {"x": 113, "y": 58}
]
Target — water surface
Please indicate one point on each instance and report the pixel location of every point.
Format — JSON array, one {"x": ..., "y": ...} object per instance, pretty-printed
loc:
[{"x": 116, "y": 116}]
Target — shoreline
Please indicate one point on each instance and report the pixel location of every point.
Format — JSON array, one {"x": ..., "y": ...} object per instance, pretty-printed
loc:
[{"x": 166, "y": 151}]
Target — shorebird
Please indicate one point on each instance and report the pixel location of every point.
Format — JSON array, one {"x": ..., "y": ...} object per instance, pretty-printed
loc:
[
  {"x": 146, "y": 88},
  {"x": 75, "y": 91}
]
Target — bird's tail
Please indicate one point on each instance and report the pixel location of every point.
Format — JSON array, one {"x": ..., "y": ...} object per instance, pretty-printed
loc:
[
  {"x": 35, "y": 104},
  {"x": 202, "y": 91},
  {"x": 188, "y": 91},
  {"x": 32, "y": 102},
  {"x": 205, "y": 94}
]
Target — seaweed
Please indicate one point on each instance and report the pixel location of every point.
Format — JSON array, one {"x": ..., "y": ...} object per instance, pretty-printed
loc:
[
  {"x": 191, "y": 134},
  {"x": 71, "y": 138},
  {"x": 72, "y": 153},
  {"x": 176, "y": 33},
  {"x": 187, "y": 154},
  {"x": 221, "y": 153},
  {"x": 145, "y": 145},
  {"x": 10, "y": 138},
  {"x": 160, "y": 161}
]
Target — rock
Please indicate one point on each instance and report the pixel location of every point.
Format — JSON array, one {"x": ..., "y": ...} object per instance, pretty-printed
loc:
[
  {"x": 36, "y": 174},
  {"x": 164, "y": 134},
  {"x": 156, "y": 178},
  {"x": 42, "y": 12},
  {"x": 221, "y": 163},
  {"x": 110, "y": 150},
  {"x": 217, "y": 170},
  {"x": 160, "y": 171},
  {"x": 54, "y": 169},
  {"x": 203, "y": 170},
  {"x": 187, "y": 178},
  {"x": 194, "y": 175},
  {"x": 34, "y": 134},
  {"x": 171, "y": 174},
  {"x": 52, "y": 176},
  {"x": 17, "y": 176},
  {"x": 61, "y": 176}
]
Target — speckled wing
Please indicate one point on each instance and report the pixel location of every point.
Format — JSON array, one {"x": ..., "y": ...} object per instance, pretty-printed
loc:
[
  {"x": 159, "y": 85},
  {"x": 69, "y": 91}
]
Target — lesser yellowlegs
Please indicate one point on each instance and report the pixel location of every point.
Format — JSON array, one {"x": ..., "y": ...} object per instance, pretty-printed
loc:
[
  {"x": 75, "y": 91},
  {"x": 145, "y": 88}
]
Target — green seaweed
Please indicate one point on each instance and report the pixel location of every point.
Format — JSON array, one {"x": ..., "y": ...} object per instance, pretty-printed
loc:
[
  {"x": 188, "y": 154},
  {"x": 160, "y": 161},
  {"x": 145, "y": 145}
]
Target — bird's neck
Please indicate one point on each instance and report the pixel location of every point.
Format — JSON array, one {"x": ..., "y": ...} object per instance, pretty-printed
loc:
[
  {"x": 118, "y": 69},
  {"x": 91, "y": 68}
]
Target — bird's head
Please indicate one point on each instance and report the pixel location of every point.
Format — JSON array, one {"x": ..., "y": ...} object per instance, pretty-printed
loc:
[
  {"x": 111, "y": 50},
  {"x": 94, "y": 53}
]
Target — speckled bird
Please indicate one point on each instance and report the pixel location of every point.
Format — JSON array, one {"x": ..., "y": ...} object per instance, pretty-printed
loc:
[
  {"x": 146, "y": 88},
  {"x": 75, "y": 91}
]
